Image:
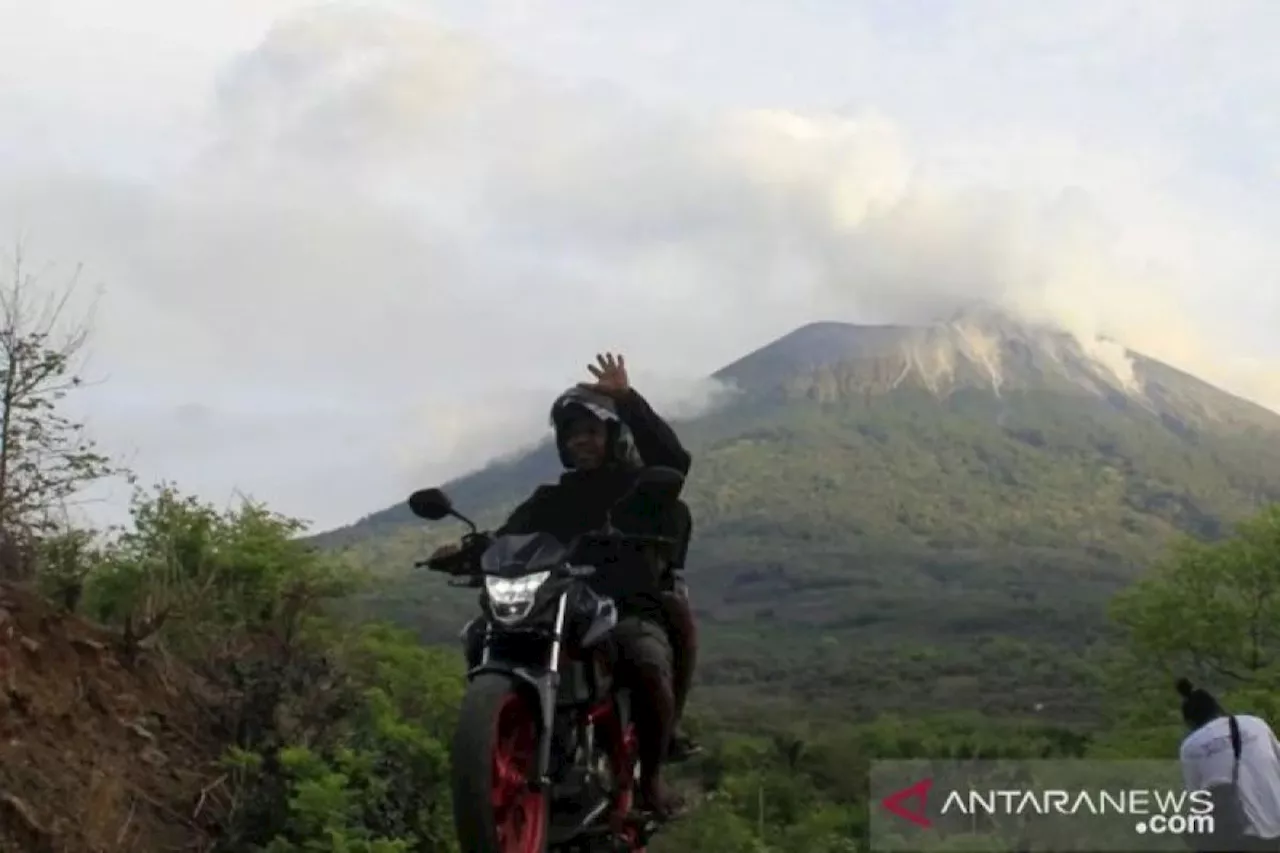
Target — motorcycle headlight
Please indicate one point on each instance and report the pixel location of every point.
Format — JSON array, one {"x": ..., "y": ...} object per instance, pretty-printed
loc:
[{"x": 511, "y": 598}]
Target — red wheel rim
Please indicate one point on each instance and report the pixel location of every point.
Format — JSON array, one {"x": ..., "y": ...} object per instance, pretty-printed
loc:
[
  {"x": 519, "y": 815},
  {"x": 630, "y": 745}
]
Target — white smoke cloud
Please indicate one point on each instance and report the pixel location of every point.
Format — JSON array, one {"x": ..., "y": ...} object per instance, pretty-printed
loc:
[{"x": 406, "y": 243}]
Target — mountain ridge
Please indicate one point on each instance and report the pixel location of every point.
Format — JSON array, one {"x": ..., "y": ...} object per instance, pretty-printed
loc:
[{"x": 977, "y": 346}]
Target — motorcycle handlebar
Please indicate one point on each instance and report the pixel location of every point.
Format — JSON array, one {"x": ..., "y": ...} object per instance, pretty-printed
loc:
[
  {"x": 614, "y": 537},
  {"x": 464, "y": 563}
]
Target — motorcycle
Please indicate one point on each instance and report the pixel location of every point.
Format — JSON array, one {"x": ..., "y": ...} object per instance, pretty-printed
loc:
[{"x": 544, "y": 756}]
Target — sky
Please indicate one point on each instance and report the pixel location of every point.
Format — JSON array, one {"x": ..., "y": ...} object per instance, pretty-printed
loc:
[{"x": 335, "y": 252}]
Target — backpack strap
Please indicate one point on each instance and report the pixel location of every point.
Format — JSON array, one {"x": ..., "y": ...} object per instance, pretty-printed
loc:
[{"x": 1235, "y": 749}]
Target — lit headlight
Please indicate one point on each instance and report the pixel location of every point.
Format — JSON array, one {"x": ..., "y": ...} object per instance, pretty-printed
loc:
[{"x": 511, "y": 598}]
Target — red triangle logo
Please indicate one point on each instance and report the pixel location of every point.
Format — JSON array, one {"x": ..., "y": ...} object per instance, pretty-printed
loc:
[{"x": 919, "y": 791}]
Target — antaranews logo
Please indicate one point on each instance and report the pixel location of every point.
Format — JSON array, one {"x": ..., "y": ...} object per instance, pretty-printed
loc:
[
  {"x": 896, "y": 803},
  {"x": 1095, "y": 806}
]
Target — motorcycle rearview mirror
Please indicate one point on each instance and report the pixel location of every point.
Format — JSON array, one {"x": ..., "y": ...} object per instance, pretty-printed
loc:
[{"x": 433, "y": 505}]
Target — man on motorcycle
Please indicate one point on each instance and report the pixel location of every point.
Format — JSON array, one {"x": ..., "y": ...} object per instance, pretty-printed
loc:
[{"x": 605, "y": 432}]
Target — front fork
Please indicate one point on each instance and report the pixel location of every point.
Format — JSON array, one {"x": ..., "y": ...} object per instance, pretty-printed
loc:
[
  {"x": 472, "y": 637},
  {"x": 546, "y": 684}
]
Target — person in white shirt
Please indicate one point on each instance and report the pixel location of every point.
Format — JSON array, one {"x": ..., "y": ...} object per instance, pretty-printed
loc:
[{"x": 1238, "y": 758}]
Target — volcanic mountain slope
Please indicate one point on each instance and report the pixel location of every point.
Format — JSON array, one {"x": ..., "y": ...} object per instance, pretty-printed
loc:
[{"x": 975, "y": 476}]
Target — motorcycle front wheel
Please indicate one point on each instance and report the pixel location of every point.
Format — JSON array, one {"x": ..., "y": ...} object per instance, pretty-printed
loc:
[{"x": 494, "y": 749}]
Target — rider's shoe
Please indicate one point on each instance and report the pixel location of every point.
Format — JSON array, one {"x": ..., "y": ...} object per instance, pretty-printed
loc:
[
  {"x": 662, "y": 803},
  {"x": 682, "y": 748}
]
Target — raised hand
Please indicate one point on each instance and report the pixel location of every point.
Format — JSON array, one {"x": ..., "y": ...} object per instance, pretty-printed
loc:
[{"x": 610, "y": 374}]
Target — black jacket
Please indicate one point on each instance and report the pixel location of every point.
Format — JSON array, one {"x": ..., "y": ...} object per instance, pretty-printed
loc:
[{"x": 578, "y": 503}]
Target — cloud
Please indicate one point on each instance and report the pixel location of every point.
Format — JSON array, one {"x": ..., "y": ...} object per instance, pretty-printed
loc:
[{"x": 394, "y": 243}]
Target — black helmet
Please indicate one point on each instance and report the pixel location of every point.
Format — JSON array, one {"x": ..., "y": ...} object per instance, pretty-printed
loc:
[{"x": 578, "y": 402}]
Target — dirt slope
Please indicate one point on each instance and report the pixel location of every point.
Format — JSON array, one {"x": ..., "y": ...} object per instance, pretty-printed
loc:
[{"x": 97, "y": 756}]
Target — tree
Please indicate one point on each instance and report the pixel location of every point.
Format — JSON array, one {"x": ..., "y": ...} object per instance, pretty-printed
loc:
[
  {"x": 45, "y": 456},
  {"x": 1211, "y": 610},
  {"x": 214, "y": 583}
]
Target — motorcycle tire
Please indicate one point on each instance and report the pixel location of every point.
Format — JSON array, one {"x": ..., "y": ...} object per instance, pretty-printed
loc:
[{"x": 493, "y": 753}]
